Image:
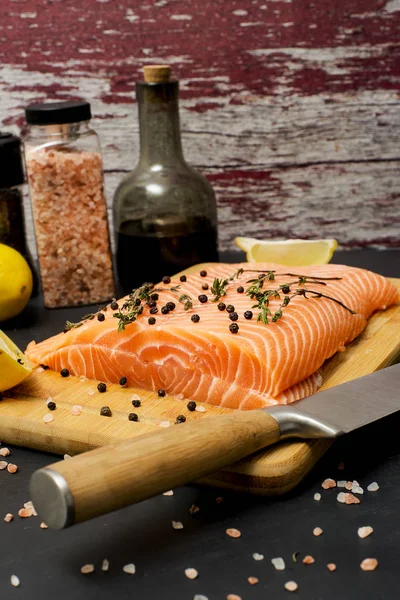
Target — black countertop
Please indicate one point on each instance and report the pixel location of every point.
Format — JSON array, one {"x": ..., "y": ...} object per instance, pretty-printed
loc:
[{"x": 48, "y": 562}]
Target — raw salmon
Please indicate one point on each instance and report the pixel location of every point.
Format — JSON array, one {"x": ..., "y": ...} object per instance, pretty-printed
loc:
[{"x": 263, "y": 363}]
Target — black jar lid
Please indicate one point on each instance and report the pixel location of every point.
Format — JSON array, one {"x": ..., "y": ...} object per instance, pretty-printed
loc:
[
  {"x": 11, "y": 167},
  {"x": 58, "y": 113}
]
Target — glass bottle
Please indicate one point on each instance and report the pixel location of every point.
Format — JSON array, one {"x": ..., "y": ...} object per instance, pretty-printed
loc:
[
  {"x": 12, "y": 220},
  {"x": 65, "y": 173},
  {"x": 165, "y": 216}
]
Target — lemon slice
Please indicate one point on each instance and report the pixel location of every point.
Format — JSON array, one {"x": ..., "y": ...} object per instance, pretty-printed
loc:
[
  {"x": 15, "y": 282},
  {"x": 12, "y": 372},
  {"x": 288, "y": 252}
]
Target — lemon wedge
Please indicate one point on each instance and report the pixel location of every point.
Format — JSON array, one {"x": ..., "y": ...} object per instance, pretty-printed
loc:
[
  {"x": 292, "y": 253},
  {"x": 14, "y": 366}
]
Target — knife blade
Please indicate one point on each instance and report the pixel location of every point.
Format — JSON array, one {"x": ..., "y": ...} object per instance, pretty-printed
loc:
[{"x": 114, "y": 476}]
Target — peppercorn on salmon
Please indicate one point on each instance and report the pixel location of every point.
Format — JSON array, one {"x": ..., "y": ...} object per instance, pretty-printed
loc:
[{"x": 242, "y": 336}]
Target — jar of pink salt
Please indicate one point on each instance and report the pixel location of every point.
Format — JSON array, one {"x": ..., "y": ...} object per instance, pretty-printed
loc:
[{"x": 65, "y": 174}]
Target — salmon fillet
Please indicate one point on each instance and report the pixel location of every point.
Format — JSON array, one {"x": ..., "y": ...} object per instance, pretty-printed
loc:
[{"x": 260, "y": 365}]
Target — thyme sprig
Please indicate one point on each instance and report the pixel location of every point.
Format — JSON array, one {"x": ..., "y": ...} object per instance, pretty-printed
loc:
[
  {"x": 218, "y": 288},
  {"x": 69, "y": 325},
  {"x": 263, "y": 296},
  {"x": 186, "y": 300}
]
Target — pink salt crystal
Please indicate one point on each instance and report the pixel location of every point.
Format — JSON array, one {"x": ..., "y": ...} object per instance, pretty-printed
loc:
[
  {"x": 48, "y": 418},
  {"x": 328, "y": 484}
]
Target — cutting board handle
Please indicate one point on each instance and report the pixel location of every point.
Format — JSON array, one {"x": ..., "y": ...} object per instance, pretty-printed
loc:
[{"x": 102, "y": 480}]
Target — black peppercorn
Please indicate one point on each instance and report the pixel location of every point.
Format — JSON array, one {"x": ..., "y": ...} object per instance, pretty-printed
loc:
[
  {"x": 285, "y": 289},
  {"x": 51, "y": 405},
  {"x": 161, "y": 393},
  {"x": 100, "y": 317},
  {"x": 233, "y": 316},
  {"x": 166, "y": 279},
  {"x": 137, "y": 302},
  {"x": 154, "y": 297},
  {"x": 230, "y": 308},
  {"x": 180, "y": 419},
  {"x": 64, "y": 372},
  {"x": 204, "y": 286},
  {"x": 203, "y": 273},
  {"x": 123, "y": 381},
  {"x": 44, "y": 367},
  {"x": 195, "y": 318},
  {"x": 136, "y": 403},
  {"x": 154, "y": 310},
  {"x": 221, "y": 306},
  {"x": 234, "y": 328},
  {"x": 164, "y": 310},
  {"x": 133, "y": 417},
  {"x": 191, "y": 405},
  {"x": 202, "y": 298},
  {"x": 105, "y": 411},
  {"x": 170, "y": 305},
  {"x": 114, "y": 305},
  {"x": 182, "y": 278},
  {"x": 240, "y": 289},
  {"x": 248, "y": 315},
  {"x": 151, "y": 304},
  {"x": 101, "y": 387},
  {"x": 151, "y": 320}
]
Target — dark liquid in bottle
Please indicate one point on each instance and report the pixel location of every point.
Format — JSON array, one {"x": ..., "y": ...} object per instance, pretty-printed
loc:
[{"x": 148, "y": 257}]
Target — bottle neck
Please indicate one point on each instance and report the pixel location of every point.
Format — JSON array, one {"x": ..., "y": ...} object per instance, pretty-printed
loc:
[{"x": 160, "y": 137}]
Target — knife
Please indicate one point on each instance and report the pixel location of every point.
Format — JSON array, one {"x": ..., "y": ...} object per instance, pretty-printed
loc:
[{"x": 111, "y": 477}]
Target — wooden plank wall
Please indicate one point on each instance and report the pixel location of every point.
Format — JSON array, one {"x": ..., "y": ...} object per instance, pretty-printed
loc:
[{"x": 290, "y": 107}]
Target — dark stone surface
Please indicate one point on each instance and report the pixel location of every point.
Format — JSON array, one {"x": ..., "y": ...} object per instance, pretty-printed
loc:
[{"x": 48, "y": 562}]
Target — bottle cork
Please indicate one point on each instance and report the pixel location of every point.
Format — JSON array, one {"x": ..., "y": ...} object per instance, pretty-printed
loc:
[{"x": 156, "y": 73}]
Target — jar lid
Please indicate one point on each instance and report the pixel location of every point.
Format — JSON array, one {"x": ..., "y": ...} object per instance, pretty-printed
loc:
[
  {"x": 11, "y": 166},
  {"x": 58, "y": 113}
]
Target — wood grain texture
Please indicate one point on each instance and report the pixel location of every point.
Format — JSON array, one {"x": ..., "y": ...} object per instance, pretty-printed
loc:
[
  {"x": 272, "y": 471},
  {"x": 291, "y": 108}
]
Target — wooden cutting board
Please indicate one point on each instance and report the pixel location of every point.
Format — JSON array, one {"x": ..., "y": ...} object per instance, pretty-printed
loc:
[{"x": 273, "y": 471}]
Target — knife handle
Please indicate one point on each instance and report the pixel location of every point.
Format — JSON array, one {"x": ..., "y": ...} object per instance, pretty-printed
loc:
[{"x": 111, "y": 477}]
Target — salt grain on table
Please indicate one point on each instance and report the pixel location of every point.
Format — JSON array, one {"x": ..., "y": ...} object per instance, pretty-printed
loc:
[
  {"x": 252, "y": 580},
  {"x": 5, "y": 452},
  {"x": 135, "y": 397},
  {"x": 317, "y": 531},
  {"x": 12, "y": 468},
  {"x": 233, "y": 533},
  {"x": 15, "y": 581},
  {"x": 373, "y": 487},
  {"x": 105, "y": 565},
  {"x": 347, "y": 498},
  {"x": 308, "y": 560},
  {"x": 91, "y": 393},
  {"x": 165, "y": 424},
  {"x": 169, "y": 493},
  {"x": 193, "y": 509},
  {"x": 331, "y": 566},
  {"x": 66, "y": 456},
  {"x": 278, "y": 563},
  {"x": 317, "y": 496},
  {"x": 30, "y": 506},
  {"x": 191, "y": 573},
  {"x": 25, "y": 513},
  {"x": 364, "y": 532},
  {"x": 257, "y": 556},
  {"x": 177, "y": 525},
  {"x": 357, "y": 489},
  {"x": 8, "y": 518},
  {"x": 200, "y": 409},
  {"x": 43, "y": 525},
  {"x": 291, "y": 586},
  {"x": 3, "y": 464},
  {"x": 233, "y": 597},
  {"x": 48, "y": 418},
  {"x": 328, "y": 484},
  {"x": 76, "y": 410},
  {"x": 348, "y": 485},
  {"x": 130, "y": 569},
  {"x": 86, "y": 569},
  {"x": 341, "y": 483},
  {"x": 369, "y": 564},
  {"x": 82, "y": 378},
  {"x": 199, "y": 597}
]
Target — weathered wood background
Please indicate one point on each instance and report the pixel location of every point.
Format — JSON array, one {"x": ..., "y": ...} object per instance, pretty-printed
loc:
[{"x": 290, "y": 107}]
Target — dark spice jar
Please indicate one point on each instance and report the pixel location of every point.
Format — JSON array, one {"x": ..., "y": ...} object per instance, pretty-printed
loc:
[{"x": 12, "y": 178}]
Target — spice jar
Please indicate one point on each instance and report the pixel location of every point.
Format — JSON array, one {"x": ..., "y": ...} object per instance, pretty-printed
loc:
[
  {"x": 12, "y": 177},
  {"x": 65, "y": 174}
]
